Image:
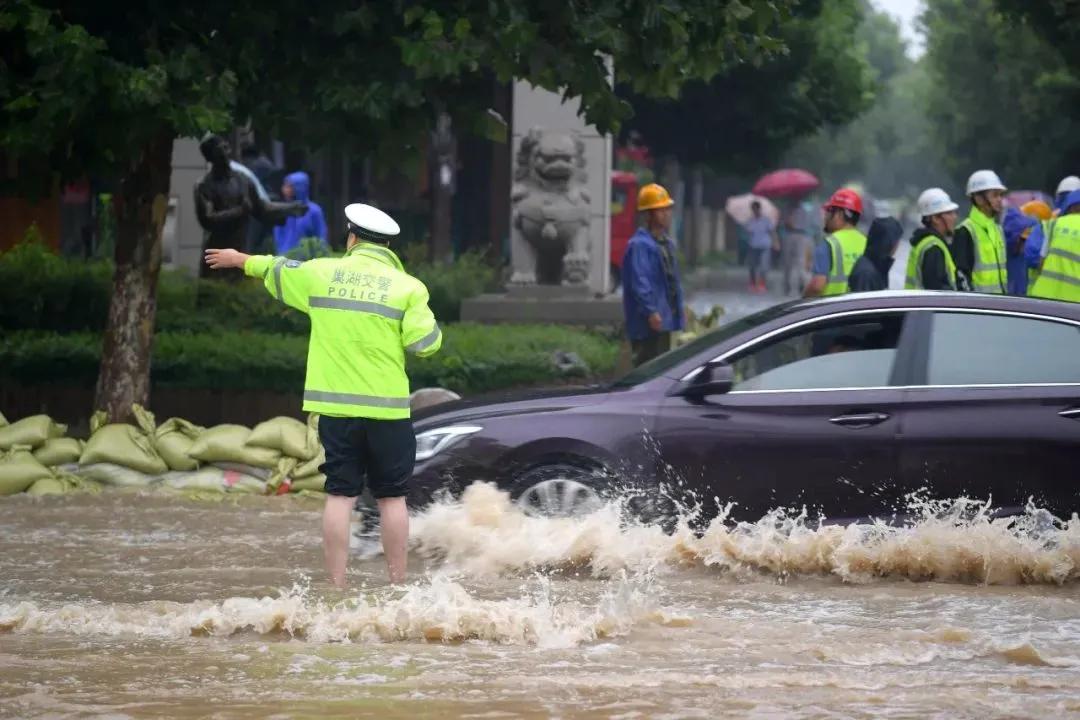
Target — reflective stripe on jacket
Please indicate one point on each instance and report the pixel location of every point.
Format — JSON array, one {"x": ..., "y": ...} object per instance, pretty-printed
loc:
[
  {"x": 988, "y": 275},
  {"x": 845, "y": 248},
  {"x": 1059, "y": 278},
  {"x": 914, "y": 278},
  {"x": 366, "y": 311}
]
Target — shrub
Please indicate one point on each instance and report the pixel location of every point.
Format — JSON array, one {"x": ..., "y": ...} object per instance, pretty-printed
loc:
[
  {"x": 474, "y": 359},
  {"x": 42, "y": 291}
]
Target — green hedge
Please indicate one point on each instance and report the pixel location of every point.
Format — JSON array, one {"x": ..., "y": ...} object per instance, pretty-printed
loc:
[
  {"x": 474, "y": 358},
  {"x": 42, "y": 291}
]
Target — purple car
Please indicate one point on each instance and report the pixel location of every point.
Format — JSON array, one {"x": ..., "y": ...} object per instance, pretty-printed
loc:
[{"x": 843, "y": 405}]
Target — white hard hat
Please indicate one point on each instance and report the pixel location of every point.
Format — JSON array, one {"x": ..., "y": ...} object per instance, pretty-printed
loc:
[
  {"x": 934, "y": 202},
  {"x": 370, "y": 223},
  {"x": 982, "y": 180},
  {"x": 1067, "y": 185}
]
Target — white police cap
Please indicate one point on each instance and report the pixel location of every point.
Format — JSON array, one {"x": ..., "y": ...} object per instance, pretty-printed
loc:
[{"x": 370, "y": 223}]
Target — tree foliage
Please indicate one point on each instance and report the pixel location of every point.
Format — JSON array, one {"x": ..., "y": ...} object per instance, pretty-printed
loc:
[
  {"x": 887, "y": 148},
  {"x": 748, "y": 115},
  {"x": 1000, "y": 95}
]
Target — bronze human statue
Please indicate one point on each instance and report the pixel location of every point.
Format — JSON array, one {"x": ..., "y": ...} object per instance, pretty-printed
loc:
[{"x": 226, "y": 200}]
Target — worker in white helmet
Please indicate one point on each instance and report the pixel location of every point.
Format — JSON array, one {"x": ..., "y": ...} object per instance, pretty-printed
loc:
[
  {"x": 978, "y": 245},
  {"x": 930, "y": 263},
  {"x": 1036, "y": 247}
]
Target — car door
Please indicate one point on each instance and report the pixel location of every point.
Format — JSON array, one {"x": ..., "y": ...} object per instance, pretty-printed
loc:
[
  {"x": 997, "y": 411},
  {"x": 812, "y": 419}
]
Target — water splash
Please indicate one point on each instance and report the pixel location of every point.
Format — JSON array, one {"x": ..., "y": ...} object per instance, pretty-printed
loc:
[
  {"x": 959, "y": 540},
  {"x": 438, "y": 610}
]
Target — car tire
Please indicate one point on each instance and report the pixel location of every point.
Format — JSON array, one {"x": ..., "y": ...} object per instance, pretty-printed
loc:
[{"x": 559, "y": 489}]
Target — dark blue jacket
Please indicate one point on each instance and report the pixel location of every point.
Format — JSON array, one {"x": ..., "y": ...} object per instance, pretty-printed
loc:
[
  {"x": 645, "y": 287},
  {"x": 295, "y": 229}
]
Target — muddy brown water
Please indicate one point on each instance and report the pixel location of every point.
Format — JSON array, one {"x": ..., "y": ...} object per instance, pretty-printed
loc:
[{"x": 137, "y": 605}]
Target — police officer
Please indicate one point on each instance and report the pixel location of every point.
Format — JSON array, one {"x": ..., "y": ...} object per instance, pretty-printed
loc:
[
  {"x": 979, "y": 244},
  {"x": 836, "y": 255},
  {"x": 930, "y": 263},
  {"x": 366, "y": 311},
  {"x": 1059, "y": 277}
]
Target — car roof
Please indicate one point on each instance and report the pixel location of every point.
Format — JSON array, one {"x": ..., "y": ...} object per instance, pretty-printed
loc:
[{"x": 935, "y": 298}]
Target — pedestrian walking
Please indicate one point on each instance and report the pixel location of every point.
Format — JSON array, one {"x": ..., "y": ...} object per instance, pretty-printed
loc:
[
  {"x": 796, "y": 240},
  {"x": 871, "y": 271},
  {"x": 762, "y": 233},
  {"x": 366, "y": 311},
  {"x": 836, "y": 255},
  {"x": 978, "y": 245},
  {"x": 930, "y": 262},
  {"x": 652, "y": 290}
]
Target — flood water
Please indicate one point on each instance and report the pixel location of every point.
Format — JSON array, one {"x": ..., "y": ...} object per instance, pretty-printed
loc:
[{"x": 146, "y": 605}]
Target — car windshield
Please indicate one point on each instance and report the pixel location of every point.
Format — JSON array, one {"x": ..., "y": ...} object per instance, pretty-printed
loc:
[{"x": 660, "y": 365}]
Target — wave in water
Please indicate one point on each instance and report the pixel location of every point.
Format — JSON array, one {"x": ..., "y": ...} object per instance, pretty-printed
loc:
[
  {"x": 484, "y": 534},
  {"x": 440, "y": 610}
]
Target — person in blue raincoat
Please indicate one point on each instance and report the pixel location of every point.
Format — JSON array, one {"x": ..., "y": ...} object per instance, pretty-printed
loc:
[
  {"x": 1016, "y": 226},
  {"x": 297, "y": 187},
  {"x": 652, "y": 290}
]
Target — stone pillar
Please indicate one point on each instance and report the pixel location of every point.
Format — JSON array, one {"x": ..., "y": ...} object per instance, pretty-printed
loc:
[{"x": 536, "y": 107}]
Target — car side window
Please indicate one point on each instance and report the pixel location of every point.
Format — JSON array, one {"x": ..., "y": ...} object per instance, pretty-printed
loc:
[
  {"x": 850, "y": 352},
  {"x": 983, "y": 349}
]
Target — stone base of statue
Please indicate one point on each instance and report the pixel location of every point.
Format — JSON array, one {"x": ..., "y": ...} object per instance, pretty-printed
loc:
[{"x": 561, "y": 305}]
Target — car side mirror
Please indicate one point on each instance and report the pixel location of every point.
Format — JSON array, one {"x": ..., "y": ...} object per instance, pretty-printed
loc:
[{"x": 716, "y": 378}]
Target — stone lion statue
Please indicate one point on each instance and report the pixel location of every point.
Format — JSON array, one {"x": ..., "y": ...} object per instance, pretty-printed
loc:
[{"x": 549, "y": 223}]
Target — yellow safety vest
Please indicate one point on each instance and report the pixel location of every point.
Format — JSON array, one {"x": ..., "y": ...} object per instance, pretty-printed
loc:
[
  {"x": 914, "y": 279},
  {"x": 845, "y": 248},
  {"x": 988, "y": 275},
  {"x": 1059, "y": 278},
  {"x": 365, "y": 312}
]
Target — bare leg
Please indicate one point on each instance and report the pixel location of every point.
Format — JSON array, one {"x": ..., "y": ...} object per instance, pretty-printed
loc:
[
  {"x": 394, "y": 526},
  {"x": 336, "y": 516}
]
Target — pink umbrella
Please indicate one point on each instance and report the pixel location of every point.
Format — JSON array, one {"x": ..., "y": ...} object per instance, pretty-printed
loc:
[
  {"x": 791, "y": 182},
  {"x": 738, "y": 208}
]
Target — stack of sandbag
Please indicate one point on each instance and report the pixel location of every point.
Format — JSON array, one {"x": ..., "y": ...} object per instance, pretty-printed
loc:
[
  {"x": 173, "y": 440},
  {"x": 20, "y": 443},
  {"x": 300, "y": 453}
]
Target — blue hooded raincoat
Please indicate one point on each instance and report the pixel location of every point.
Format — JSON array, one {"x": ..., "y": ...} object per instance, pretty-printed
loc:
[{"x": 311, "y": 224}]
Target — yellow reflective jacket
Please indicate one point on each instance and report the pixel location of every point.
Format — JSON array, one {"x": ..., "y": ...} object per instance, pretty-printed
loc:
[{"x": 366, "y": 311}]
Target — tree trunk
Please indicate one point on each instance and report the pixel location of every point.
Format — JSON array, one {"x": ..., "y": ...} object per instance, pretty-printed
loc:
[{"x": 142, "y": 204}]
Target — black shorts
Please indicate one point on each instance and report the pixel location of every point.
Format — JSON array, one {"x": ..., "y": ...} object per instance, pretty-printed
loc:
[{"x": 380, "y": 452}]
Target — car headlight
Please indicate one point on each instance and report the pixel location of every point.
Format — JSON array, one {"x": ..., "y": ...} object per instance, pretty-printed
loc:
[{"x": 432, "y": 442}]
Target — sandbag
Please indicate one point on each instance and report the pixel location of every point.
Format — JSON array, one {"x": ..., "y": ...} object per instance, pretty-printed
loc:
[
  {"x": 50, "y": 486},
  {"x": 212, "y": 479},
  {"x": 315, "y": 483},
  {"x": 19, "y": 469},
  {"x": 288, "y": 435},
  {"x": 257, "y": 472},
  {"x": 32, "y": 431},
  {"x": 59, "y": 451},
  {"x": 278, "y": 482},
  {"x": 124, "y": 445},
  {"x": 228, "y": 443},
  {"x": 3, "y": 420},
  {"x": 311, "y": 467},
  {"x": 116, "y": 475},
  {"x": 173, "y": 440}
]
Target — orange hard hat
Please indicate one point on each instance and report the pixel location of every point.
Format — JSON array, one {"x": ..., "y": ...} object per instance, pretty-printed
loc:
[
  {"x": 845, "y": 199},
  {"x": 653, "y": 197},
  {"x": 1037, "y": 209}
]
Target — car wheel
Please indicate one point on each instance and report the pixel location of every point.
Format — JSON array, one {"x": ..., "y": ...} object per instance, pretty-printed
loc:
[{"x": 558, "y": 490}]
